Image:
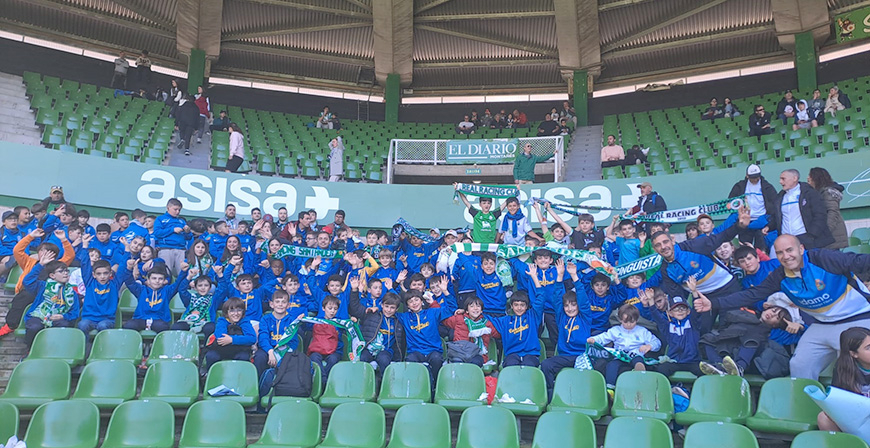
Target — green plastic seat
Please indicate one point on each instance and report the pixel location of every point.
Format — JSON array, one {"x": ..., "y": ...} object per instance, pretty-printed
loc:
[
  {"x": 175, "y": 382},
  {"x": 240, "y": 376},
  {"x": 214, "y": 423},
  {"x": 291, "y": 424},
  {"x": 784, "y": 408},
  {"x": 638, "y": 432},
  {"x": 719, "y": 434},
  {"x": 64, "y": 424},
  {"x": 356, "y": 425},
  {"x": 117, "y": 344},
  {"x": 827, "y": 439},
  {"x": 9, "y": 420},
  {"x": 127, "y": 303},
  {"x": 460, "y": 386},
  {"x": 487, "y": 426},
  {"x": 107, "y": 383},
  {"x": 862, "y": 233},
  {"x": 522, "y": 384},
  {"x": 176, "y": 306},
  {"x": 174, "y": 344},
  {"x": 12, "y": 278},
  {"x": 141, "y": 424},
  {"x": 643, "y": 394},
  {"x": 405, "y": 383},
  {"x": 35, "y": 382},
  {"x": 583, "y": 391},
  {"x": 408, "y": 432},
  {"x": 349, "y": 382},
  {"x": 718, "y": 398},
  {"x": 65, "y": 344},
  {"x": 564, "y": 428}
]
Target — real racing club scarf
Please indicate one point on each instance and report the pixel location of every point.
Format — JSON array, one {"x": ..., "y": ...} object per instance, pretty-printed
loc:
[{"x": 486, "y": 191}]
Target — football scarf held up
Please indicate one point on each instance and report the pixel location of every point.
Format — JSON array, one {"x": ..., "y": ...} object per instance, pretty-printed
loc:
[
  {"x": 598, "y": 351},
  {"x": 57, "y": 298},
  {"x": 575, "y": 210},
  {"x": 410, "y": 230},
  {"x": 688, "y": 214},
  {"x": 523, "y": 252},
  {"x": 486, "y": 191},
  {"x": 640, "y": 265},
  {"x": 287, "y": 250},
  {"x": 197, "y": 314},
  {"x": 354, "y": 335}
]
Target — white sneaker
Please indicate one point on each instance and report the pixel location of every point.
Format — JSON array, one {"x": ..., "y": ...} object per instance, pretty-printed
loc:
[{"x": 199, "y": 140}]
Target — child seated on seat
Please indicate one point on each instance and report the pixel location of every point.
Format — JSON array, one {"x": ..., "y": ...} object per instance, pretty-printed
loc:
[
  {"x": 326, "y": 344},
  {"x": 380, "y": 328},
  {"x": 421, "y": 330},
  {"x": 272, "y": 327},
  {"x": 628, "y": 337},
  {"x": 200, "y": 312},
  {"x": 470, "y": 325},
  {"x": 683, "y": 328},
  {"x": 56, "y": 303},
  {"x": 101, "y": 291},
  {"x": 519, "y": 333},
  {"x": 152, "y": 311},
  {"x": 233, "y": 335}
]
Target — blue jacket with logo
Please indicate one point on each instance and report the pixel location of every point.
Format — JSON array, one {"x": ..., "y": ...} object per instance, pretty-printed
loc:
[
  {"x": 101, "y": 300},
  {"x": 154, "y": 304},
  {"x": 693, "y": 258},
  {"x": 164, "y": 232},
  {"x": 519, "y": 334}
]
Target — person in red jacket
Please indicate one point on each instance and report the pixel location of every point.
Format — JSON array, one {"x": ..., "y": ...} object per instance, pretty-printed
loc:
[
  {"x": 471, "y": 325},
  {"x": 521, "y": 120},
  {"x": 204, "y": 107},
  {"x": 325, "y": 347}
]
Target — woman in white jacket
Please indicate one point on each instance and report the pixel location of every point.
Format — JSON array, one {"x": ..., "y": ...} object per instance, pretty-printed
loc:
[
  {"x": 336, "y": 159},
  {"x": 237, "y": 149}
]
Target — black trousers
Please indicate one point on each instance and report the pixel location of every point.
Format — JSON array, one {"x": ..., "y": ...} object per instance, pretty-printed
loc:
[{"x": 18, "y": 307}]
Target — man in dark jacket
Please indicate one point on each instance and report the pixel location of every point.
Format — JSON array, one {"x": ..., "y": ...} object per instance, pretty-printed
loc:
[
  {"x": 186, "y": 121},
  {"x": 649, "y": 201},
  {"x": 760, "y": 198},
  {"x": 800, "y": 211},
  {"x": 787, "y": 107},
  {"x": 759, "y": 122}
]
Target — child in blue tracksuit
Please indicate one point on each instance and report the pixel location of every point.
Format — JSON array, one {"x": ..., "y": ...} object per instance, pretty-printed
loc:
[
  {"x": 602, "y": 299},
  {"x": 233, "y": 335},
  {"x": 422, "y": 337},
  {"x": 56, "y": 303},
  {"x": 417, "y": 252},
  {"x": 101, "y": 291},
  {"x": 488, "y": 286},
  {"x": 574, "y": 324},
  {"x": 683, "y": 329},
  {"x": 171, "y": 234},
  {"x": 546, "y": 276},
  {"x": 153, "y": 296},
  {"x": 519, "y": 333},
  {"x": 243, "y": 289},
  {"x": 272, "y": 327}
]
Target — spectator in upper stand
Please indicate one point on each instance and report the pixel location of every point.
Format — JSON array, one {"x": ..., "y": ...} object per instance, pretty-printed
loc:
[
  {"x": 760, "y": 198},
  {"x": 521, "y": 121},
  {"x": 832, "y": 194},
  {"x": 143, "y": 68},
  {"x": 119, "y": 77},
  {"x": 804, "y": 118},
  {"x": 524, "y": 165},
  {"x": 465, "y": 126},
  {"x": 237, "y": 148},
  {"x": 759, "y": 122},
  {"x": 634, "y": 155},
  {"x": 818, "y": 104},
  {"x": 714, "y": 111},
  {"x": 325, "y": 118},
  {"x": 836, "y": 101},
  {"x": 612, "y": 154},
  {"x": 787, "y": 107},
  {"x": 221, "y": 122},
  {"x": 649, "y": 201},
  {"x": 549, "y": 127},
  {"x": 563, "y": 126},
  {"x": 336, "y": 160},
  {"x": 730, "y": 108},
  {"x": 186, "y": 119},
  {"x": 204, "y": 106},
  {"x": 487, "y": 119},
  {"x": 475, "y": 118},
  {"x": 498, "y": 122},
  {"x": 336, "y": 123},
  {"x": 175, "y": 96},
  {"x": 799, "y": 211},
  {"x": 568, "y": 112}
]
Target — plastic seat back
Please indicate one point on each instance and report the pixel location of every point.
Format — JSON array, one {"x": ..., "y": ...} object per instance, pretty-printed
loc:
[
  {"x": 558, "y": 429},
  {"x": 107, "y": 383},
  {"x": 408, "y": 432},
  {"x": 175, "y": 382},
  {"x": 827, "y": 439},
  {"x": 460, "y": 386},
  {"x": 719, "y": 434},
  {"x": 142, "y": 423},
  {"x": 181, "y": 345},
  {"x": 65, "y": 344},
  {"x": 644, "y": 394},
  {"x": 292, "y": 423},
  {"x": 783, "y": 407},
  {"x": 37, "y": 381},
  {"x": 404, "y": 383},
  {"x": 240, "y": 376},
  {"x": 9, "y": 420},
  {"x": 117, "y": 344},
  {"x": 349, "y": 381},
  {"x": 64, "y": 424},
  {"x": 214, "y": 423},
  {"x": 638, "y": 432},
  {"x": 522, "y": 384},
  {"x": 487, "y": 426},
  {"x": 718, "y": 398},
  {"x": 356, "y": 425},
  {"x": 583, "y": 391}
]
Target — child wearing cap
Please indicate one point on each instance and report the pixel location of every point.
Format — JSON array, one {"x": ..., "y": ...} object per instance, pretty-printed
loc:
[{"x": 683, "y": 329}]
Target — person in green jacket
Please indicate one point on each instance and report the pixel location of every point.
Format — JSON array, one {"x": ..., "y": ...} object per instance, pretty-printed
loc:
[{"x": 524, "y": 165}]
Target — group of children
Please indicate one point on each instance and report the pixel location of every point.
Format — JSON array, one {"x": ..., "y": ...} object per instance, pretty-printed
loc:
[{"x": 248, "y": 285}]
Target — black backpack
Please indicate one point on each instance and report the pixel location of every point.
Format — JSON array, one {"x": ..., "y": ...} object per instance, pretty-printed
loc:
[{"x": 292, "y": 376}]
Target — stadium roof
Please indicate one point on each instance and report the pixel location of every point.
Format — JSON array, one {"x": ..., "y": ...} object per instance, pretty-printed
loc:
[{"x": 436, "y": 45}]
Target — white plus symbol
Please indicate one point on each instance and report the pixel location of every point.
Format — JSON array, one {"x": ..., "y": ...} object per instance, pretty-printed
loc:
[{"x": 321, "y": 202}]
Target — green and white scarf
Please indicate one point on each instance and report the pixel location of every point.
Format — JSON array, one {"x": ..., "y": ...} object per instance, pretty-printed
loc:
[
  {"x": 476, "y": 330},
  {"x": 203, "y": 263},
  {"x": 486, "y": 191},
  {"x": 197, "y": 313},
  {"x": 411, "y": 230},
  {"x": 598, "y": 351},
  {"x": 288, "y": 250},
  {"x": 571, "y": 209},
  {"x": 687, "y": 214},
  {"x": 640, "y": 265},
  {"x": 57, "y": 298},
  {"x": 523, "y": 252},
  {"x": 354, "y": 335}
]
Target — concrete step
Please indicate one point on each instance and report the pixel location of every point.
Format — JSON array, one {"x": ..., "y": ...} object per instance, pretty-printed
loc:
[
  {"x": 11, "y": 77},
  {"x": 18, "y": 119},
  {"x": 19, "y": 138}
]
